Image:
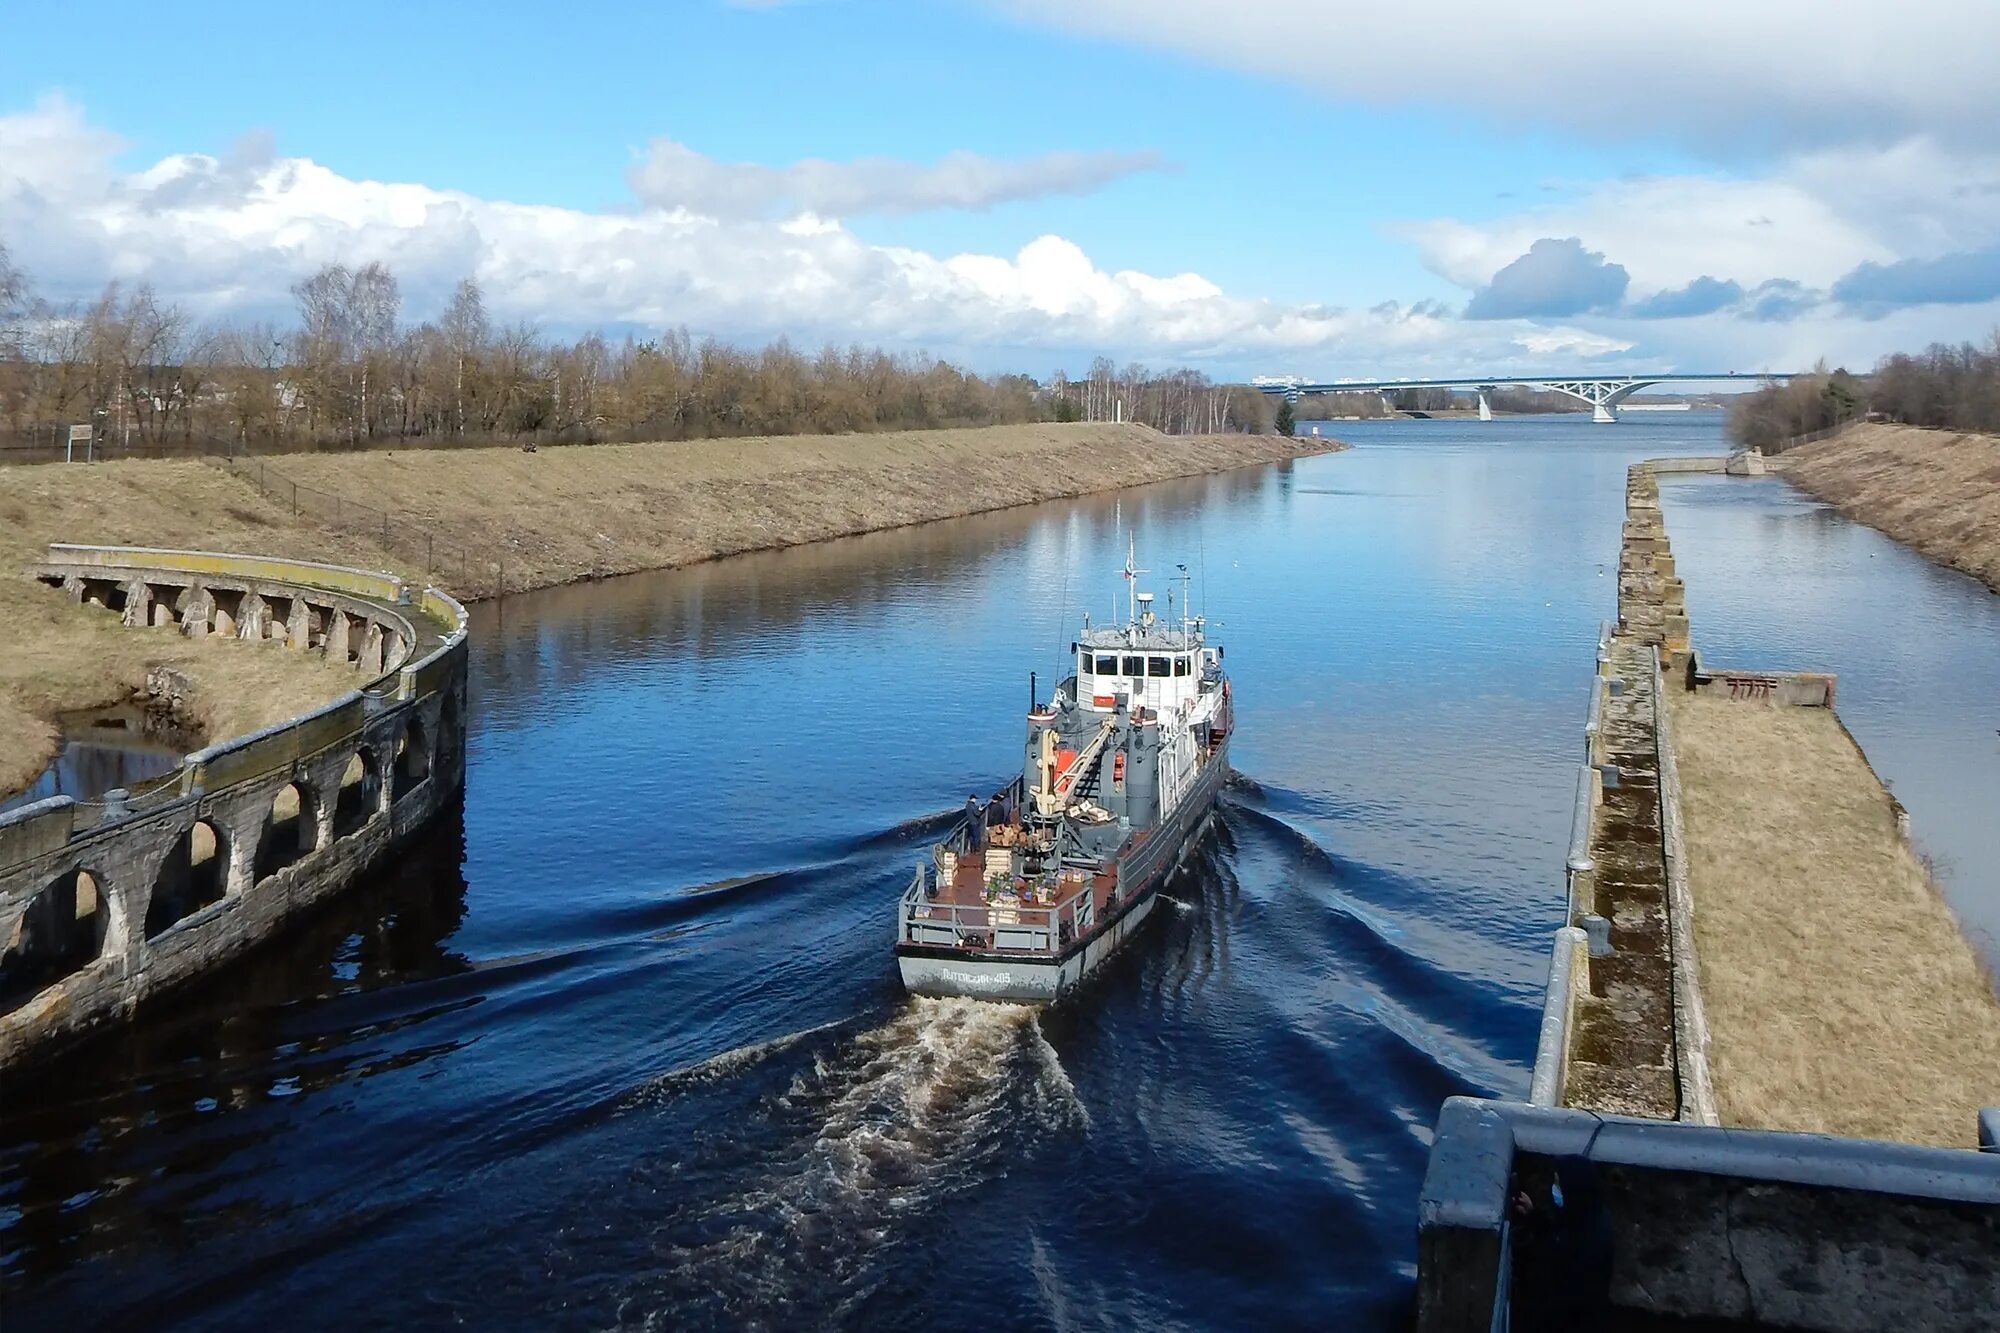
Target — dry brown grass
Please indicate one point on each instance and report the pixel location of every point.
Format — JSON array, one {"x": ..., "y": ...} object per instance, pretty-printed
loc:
[
  {"x": 1935, "y": 490},
  {"x": 1841, "y": 996},
  {"x": 58, "y": 657},
  {"x": 565, "y": 514},
  {"x": 557, "y": 515}
]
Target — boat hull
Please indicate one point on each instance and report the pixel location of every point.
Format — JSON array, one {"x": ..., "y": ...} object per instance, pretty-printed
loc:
[{"x": 1045, "y": 978}]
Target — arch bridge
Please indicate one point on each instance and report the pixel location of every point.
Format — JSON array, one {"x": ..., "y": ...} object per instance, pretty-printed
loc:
[{"x": 1602, "y": 392}]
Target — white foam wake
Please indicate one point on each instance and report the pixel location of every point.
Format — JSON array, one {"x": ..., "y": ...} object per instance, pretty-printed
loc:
[{"x": 888, "y": 1125}]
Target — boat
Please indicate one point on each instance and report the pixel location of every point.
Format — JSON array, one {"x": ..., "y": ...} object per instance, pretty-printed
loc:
[{"x": 1037, "y": 886}]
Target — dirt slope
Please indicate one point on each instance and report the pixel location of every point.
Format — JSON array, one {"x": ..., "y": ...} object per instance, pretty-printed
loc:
[{"x": 1935, "y": 490}]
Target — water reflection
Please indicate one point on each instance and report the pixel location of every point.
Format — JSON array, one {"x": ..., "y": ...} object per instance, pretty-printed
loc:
[
  {"x": 147, "y": 1124},
  {"x": 119, "y": 746}
]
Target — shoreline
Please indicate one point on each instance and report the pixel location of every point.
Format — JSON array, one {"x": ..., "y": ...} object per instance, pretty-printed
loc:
[
  {"x": 1935, "y": 491},
  {"x": 555, "y": 517}
]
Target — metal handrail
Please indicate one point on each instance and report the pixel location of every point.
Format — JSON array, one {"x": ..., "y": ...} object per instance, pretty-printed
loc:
[
  {"x": 1545, "y": 1087},
  {"x": 1580, "y": 862},
  {"x": 979, "y": 921}
]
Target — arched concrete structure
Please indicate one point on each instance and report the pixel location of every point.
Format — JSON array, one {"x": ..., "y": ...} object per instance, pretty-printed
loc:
[{"x": 410, "y": 653}]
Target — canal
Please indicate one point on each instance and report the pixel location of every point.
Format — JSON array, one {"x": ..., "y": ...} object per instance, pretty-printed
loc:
[{"x": 624, "y": 1046}]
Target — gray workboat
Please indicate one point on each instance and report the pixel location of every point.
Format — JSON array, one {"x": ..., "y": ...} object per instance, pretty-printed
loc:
[{"x": 1037, "y": 886}]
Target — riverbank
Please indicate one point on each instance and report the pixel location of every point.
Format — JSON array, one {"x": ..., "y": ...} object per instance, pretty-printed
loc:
[
  {"x": 563, "y": 515},
  {"x": 555, "y": 516},
  {"x": 1934, "y": 490}
]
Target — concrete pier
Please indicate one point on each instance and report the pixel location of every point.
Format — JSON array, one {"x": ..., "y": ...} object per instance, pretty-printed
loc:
[{"x": 1632, "y": 1087}]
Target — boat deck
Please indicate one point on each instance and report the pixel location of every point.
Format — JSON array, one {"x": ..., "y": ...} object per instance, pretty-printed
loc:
[{"x": 963, "y": 897}]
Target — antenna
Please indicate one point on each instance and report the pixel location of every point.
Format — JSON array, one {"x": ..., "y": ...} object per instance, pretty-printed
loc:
[
  {"x": 1062, "y": 621},
  {"x": 1132, "y": 573},
  {"x": 1202, "y": 547},
  {"x": 1117, "y": 527}
]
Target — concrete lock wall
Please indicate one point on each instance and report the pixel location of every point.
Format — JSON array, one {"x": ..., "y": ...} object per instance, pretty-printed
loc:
[
  {"x": 1767, "y": 1229},
  {"x": 103, "y": 909},
  {"x": 1770, "y": 1229}
]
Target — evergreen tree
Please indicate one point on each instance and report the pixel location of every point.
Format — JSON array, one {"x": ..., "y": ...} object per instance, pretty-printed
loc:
[{"x": 1287, "y": 422}]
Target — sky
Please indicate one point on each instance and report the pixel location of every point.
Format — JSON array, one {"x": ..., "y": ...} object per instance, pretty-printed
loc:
[{"x": 1434, "y": 188}]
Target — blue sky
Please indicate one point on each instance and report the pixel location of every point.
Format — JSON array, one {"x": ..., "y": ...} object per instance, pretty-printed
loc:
[{"x": 1311, "y": 163}]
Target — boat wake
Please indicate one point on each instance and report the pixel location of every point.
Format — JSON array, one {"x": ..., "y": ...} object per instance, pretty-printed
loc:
[{"x": 880, "y": 1130}]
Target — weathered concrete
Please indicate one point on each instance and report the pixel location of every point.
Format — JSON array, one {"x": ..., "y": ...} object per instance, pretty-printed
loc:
[
  {"x": 1769, "y": 1229},
  {"x": 1782, "y": 1230},
  {"x": 102, "y": 911},
  {"x": 1798, "y": 689}
]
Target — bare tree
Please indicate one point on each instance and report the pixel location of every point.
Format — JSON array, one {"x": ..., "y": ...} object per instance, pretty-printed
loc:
[
  {"x": 373, "y": 302},
  {"x": 465, "y": 330}
]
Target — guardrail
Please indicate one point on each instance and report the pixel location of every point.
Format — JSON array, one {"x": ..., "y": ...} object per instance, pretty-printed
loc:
[
  {"x": 1005, "y": 924},
  {"x": 1754, "y": 1227},
  {"x": 1569, "y": 975}
]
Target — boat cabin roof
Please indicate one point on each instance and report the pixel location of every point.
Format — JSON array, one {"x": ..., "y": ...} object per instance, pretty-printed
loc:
[{"x": 1142, "y": 638}]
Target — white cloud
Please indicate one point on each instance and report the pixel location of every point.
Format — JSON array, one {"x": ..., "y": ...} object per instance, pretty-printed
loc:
[
  {"x": 1728, "y": 75},
  {"x": 672, "y": 175},
  {"x": 1813, "y": 220},
  {"x": 1546, "y": 343},
  {"x": 230, "y": 236}
]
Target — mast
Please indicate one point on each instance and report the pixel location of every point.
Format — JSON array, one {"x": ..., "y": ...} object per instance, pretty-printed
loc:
[{"x": 1132, "y": 573}]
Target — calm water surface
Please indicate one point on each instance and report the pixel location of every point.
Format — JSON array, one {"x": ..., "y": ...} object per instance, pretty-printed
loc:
[{"x": 624, "y": 1047}]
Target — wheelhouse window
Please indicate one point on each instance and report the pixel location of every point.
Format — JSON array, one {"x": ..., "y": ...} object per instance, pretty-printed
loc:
[
  {"x": 1135, "y": 666},
  {"x": 1180, "y": 666},
  {"x": 1107, "y": 666},
  {"x": 1158, "y": 666},
  {"x": 1083, "y": 665}
]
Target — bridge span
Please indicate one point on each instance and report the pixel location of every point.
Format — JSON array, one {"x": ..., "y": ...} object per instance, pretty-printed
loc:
[{"x": 1602, "y": 392}]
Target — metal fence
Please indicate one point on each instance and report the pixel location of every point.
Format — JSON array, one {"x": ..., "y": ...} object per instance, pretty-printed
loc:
[
  {"x": 1810, "y": 437},
  {"x": 469, "y": 570}
]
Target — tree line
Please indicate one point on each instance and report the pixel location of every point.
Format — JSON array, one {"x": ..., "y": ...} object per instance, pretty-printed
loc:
[
  {"x": 350, "y": 371},
  {"x": 1945, "y": 386}
]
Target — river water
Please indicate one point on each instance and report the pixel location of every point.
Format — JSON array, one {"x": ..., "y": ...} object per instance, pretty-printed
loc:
[{"x": 624, "y": 1048}]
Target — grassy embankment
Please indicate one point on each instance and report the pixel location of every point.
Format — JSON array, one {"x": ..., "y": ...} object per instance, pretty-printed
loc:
[
  {"x": 556, "y": 516},
  {"x": 1934, "y": 490},
  {"x": 1842, "y": 997}
]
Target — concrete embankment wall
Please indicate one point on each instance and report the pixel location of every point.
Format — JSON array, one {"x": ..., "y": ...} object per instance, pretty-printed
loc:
[
  {"x": 1773, "y": 1229},
  {"x": 106, "y": 905},
  {"x": 1769, "y": 1230},
  {"x": 1616, "y": 1038}
]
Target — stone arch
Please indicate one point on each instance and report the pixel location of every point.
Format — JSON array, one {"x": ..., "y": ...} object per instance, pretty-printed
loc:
[
  {"x": 290, "y": 832},
  {"x": 358, "y": 794},
  {"x": 413, "y": 757},
  {"x": 60, "y": 932},
  {"x": 194, "y": 874}
]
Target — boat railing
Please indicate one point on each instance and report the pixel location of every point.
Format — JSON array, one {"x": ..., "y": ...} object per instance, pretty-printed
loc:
[{"x": 1004, "y": 925}]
